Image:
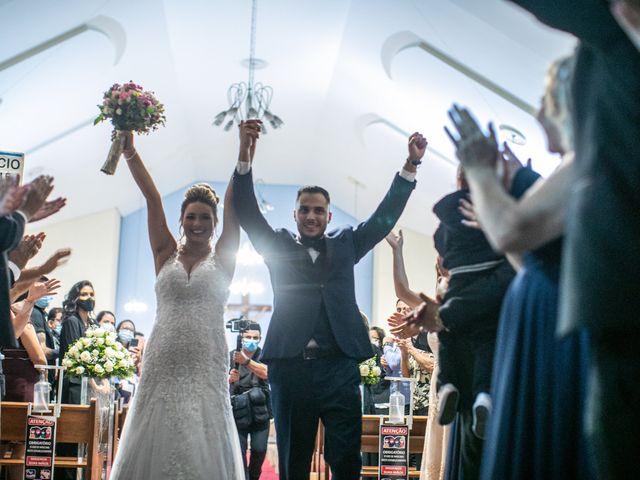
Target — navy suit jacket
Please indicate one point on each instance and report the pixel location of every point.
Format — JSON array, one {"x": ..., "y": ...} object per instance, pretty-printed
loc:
[
  {"x": 11, "y": 231},
  {"x": 298, "y": 297}
]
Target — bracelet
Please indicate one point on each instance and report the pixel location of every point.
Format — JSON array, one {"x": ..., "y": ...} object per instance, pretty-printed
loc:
[{"x": 129, "y": 158}]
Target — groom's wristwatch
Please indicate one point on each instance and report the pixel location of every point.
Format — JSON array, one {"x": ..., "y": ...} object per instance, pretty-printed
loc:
[{"x": 414, "y": 162}]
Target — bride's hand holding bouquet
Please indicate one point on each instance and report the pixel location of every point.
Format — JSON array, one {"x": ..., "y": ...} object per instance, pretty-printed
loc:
[{"x": 131, "y": 109}]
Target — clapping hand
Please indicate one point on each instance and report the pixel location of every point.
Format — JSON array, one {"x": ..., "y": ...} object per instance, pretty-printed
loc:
[
  {"x": 11, "y": 195},
  {"x": 395, "y": 241},
  {"x": 41, "y": 289},
  {"x": 417, "y": 147},
  {"x": 424, "y": 317},
  {"x": 511, "y": 165},
  {"x": 474, "y": 149},
  {"x": 59, "y": 258},
  {"x": 39, "y": 190},
  {"x": 249, "y": 134},
  {"x": 28, "y": 248},
  {"x": 469, "y": 214}
]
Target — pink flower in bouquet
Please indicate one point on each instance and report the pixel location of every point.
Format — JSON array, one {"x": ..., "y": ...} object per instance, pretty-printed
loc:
[{"x": 130, "y": 107}]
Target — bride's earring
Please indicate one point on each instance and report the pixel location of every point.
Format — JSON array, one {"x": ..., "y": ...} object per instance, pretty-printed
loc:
[{"x": 181, "y": 231}]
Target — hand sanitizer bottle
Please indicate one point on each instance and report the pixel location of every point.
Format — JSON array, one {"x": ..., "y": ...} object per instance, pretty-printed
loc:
[
  {"x": 396, "y": 407},
  {"x": 41, "y": 392}
]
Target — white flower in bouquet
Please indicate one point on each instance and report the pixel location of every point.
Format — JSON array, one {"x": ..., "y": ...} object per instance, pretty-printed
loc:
[
  {"x": 93, "y": 356},
  {"x": 369, "y": 372}
]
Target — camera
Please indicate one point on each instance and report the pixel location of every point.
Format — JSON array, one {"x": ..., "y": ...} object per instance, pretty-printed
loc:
[{"x": 239, "y": 324}]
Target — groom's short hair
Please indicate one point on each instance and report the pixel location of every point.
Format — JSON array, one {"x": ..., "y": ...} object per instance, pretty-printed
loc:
[{"x": 313, "y": 189}]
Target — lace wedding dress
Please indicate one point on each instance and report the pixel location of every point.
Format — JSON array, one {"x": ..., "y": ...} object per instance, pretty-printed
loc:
[{"x": 180, "y": 425}]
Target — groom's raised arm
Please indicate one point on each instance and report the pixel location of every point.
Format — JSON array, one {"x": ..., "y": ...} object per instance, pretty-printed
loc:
[
  {"x": 372, "y": 231},
  {"x": 245, "y": 203}
]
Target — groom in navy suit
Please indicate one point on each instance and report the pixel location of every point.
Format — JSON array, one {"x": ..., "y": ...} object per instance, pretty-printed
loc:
[{"x": 316, "y": 336}]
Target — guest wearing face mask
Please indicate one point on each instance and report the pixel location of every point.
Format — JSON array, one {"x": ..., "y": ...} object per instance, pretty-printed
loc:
[
  {"x": 126, "y": 332},
  {"x": 250, "y": 399},
  {"x": 44, "y": 332},
  {"x": 54, "y": 321},
  {"x": 106, "y": 320},
  {"x": 78, "y": 306}
]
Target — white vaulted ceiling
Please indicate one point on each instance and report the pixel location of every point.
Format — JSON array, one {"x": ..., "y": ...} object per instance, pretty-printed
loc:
[{"x": 349, "y": 77}]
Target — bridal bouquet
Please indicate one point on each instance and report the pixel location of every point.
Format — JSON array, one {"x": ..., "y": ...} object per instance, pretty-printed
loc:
[
  {"x": 98, "y": 354},
  {"x": 369, "y": 372},
  {"x": 130, "y": 108}
]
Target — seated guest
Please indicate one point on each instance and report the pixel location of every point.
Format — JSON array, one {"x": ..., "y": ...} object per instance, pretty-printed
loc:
[{"x": 250, "y": 394}]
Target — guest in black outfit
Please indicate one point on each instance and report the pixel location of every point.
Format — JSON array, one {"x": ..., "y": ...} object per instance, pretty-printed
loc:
[
  {"x": 316, "y": 336},
  {"x": 602, "y": 229},
  {"x": 248, "y": 376},
  {"x": 78, "y": 305}
]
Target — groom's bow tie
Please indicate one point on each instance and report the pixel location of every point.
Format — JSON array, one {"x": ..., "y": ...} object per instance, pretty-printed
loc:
[{"x": 317, "y": 243}]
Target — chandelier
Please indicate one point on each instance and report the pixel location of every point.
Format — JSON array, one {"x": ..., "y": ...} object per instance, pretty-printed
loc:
[{"x": 249, "y": 99}]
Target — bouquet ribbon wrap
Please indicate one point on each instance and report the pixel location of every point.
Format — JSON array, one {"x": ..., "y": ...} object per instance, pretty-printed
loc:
[{"x": 113, "y": 157}]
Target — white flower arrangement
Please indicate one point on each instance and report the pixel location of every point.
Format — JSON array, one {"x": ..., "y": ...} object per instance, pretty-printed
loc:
[
  {"x": 369, "y": 372},
  {"x": 98, "y": 354}
]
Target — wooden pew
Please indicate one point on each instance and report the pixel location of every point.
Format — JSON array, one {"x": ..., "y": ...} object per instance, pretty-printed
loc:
[{"x": 77, "y": 424}]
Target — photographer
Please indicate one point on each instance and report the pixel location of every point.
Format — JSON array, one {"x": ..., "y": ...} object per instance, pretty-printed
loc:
[{"x": 250, "y": 398}]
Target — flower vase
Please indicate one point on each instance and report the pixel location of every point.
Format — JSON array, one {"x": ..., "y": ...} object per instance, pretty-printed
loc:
[
  {"x": 113, "y": 157},
  {"x": 103, "y": 390}
]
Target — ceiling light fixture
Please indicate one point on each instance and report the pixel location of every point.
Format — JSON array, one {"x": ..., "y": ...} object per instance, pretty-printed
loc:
[{"x": 249, "y": 99}]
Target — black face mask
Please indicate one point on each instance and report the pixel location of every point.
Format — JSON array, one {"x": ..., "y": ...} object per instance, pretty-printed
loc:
[{"x": 86, "y": 305}]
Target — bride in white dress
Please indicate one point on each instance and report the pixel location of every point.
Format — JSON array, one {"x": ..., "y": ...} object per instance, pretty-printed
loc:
[{"x": 180, "y": 425}]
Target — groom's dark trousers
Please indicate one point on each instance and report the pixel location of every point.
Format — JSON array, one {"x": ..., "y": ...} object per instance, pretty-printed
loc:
[{"x": 315, "y": 299}]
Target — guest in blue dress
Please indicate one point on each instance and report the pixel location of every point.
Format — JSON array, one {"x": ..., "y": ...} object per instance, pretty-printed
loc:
[{"x": 538, "y": 386}]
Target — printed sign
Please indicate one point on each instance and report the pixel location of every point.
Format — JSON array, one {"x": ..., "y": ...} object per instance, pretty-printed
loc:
[
  {"x": 40, "y": 448},
  {"x": 11, "y": 164},
  {"x": 394, "y": 452}
]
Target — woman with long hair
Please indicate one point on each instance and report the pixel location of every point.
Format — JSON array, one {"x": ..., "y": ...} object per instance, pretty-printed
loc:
[{"x": 180, "y": 424}]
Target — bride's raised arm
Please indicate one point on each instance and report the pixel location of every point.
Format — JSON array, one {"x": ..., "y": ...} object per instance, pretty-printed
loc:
[
  {"x": 227, "y": 246},
  {"x": 162, "y": 242}
]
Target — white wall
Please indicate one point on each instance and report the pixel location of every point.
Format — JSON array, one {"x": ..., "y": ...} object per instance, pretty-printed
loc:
[
  {"x": 94, "y": 241},
  {"x": 420, "y": 259}
]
